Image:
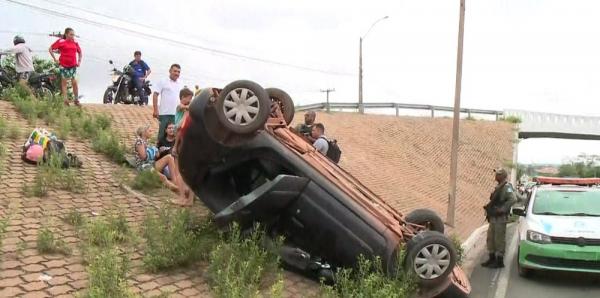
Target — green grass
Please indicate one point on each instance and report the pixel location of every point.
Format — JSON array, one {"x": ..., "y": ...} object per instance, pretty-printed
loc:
[
  {"x": 68, "y": 121},
  {"x": 48, "y": 244},
  {"x": 75, "y": 218},
  {"x": 107, "y": 272},
  {"x": 147, "y": 181},
  {"x": 176, "y": 238},
  {"x": 512, "y": 119},
  {"x": 368, "y": 280},
  {"x": 51, "y": 175},
  {"x": 3, "y": 226},
  {"x": 239, "y": 265},
  {"x": 108, "y": 143}
]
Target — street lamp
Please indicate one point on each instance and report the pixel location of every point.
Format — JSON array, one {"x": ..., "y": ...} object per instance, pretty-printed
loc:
[{"x": 361, "y": 108}]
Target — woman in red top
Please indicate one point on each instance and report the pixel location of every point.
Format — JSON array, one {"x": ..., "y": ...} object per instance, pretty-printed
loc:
[{"x": 70, "y": 59}]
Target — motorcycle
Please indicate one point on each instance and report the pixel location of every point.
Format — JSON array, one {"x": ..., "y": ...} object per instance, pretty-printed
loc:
[
  {"x": 122, "y": 89},
  {"x": 42, "y": 84}
]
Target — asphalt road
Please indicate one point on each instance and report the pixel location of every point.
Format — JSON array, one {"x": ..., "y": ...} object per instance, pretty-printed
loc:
[{"x": 501, "y": 283}]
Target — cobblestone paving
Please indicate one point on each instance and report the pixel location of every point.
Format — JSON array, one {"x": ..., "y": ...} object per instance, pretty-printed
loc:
[{"x": 21, "y": 266}]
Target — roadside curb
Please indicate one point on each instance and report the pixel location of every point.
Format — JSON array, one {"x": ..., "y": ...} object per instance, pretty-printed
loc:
[{"x": 473, "y": 248}]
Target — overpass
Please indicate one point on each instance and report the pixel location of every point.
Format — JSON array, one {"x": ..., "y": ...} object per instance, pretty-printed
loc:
[
  {"x": 548, "y": 125},
  {"x": 533, "y": 124}
]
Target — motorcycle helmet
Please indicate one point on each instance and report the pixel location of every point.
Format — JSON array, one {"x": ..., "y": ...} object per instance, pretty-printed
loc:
[{"x": 18, "y": 39}]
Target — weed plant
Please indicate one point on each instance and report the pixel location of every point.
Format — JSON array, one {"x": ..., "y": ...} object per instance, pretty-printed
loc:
[
  {"x": 369, "y": 280},
  {"x": 48, "y": 244},
  {"x": 175, "y": 238}
]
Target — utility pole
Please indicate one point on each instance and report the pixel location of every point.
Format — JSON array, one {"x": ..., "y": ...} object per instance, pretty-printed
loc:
[
  {"x": 361, "y": 108},
  {"x": 456, "y": 119},
  {"x": 327, "y": 91}
]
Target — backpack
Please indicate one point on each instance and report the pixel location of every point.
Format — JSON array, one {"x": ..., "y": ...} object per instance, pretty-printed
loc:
[
  {"x": 333, "y": 152},
  {"x": 58, "y": 147}
]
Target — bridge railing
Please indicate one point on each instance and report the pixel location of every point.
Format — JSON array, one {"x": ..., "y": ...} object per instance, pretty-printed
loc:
[{"x": 397, "y": 107}]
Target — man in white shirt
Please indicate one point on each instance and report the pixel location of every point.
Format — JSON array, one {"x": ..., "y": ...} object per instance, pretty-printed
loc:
[
  {"x": 168, "y": 89},
  {"x": 318, "y": 133},
  {"x": 24, "y": 62}
]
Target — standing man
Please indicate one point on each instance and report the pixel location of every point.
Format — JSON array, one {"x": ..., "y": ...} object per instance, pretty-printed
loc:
[
  {"x": 24, "y": 63},
  {"x": 168, "y": 89},
  {"x": 307, "y": 127},
  {"x": 318, "y": 134},
  {"x": 496, "y": 212},
  {"x": 140, "y": 72}
]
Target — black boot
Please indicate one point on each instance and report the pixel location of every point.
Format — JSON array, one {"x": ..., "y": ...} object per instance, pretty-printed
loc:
[
  {"x": 491, "y": 260},
  {"x": 499, "y": 262}
]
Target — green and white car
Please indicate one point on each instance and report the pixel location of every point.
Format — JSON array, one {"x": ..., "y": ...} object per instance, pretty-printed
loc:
[{"x": 559, "y": 227}]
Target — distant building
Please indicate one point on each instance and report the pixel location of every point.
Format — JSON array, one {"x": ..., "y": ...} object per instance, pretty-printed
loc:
[{"x": 551, "y": 171}]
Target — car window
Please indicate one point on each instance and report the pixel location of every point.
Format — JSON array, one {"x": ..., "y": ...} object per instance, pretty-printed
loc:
[{"x": 567, "y": 202}]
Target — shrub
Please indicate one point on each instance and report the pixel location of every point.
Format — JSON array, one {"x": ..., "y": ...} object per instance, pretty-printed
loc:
[
  {"x": 75, "y": 218},
  {"x": 174, "y": 237},
  {"x": 368, "y": 279},
  {"x": 103, "y": 121},
  {"x": 238, "y": 264},
  {"x": 460, "y": 252},
  {"x": 47, "y": 243},
  {"x": 3, "y": 128},
  {"x": 108, "y": 274}
]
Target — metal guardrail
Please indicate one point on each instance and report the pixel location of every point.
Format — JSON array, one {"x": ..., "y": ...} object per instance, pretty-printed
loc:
[{"x": 396, "y": 106}]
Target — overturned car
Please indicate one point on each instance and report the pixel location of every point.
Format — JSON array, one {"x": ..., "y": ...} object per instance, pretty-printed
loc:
[{"x": 240, "y": 157}]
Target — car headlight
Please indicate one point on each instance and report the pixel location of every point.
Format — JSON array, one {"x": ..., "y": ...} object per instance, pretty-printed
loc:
[{"x": 536, "y": 237}]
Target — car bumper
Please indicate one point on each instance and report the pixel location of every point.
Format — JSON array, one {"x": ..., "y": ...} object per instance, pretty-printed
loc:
[{"x": 564, "y": 257}]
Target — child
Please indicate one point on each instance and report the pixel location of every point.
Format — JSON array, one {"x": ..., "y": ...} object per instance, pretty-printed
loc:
[{"x": 185, "y": 98}]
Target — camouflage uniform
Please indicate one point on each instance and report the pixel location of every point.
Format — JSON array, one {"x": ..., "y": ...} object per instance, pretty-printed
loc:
[
  {"x": 497, "y": 211},
  {"x": 304, "y": 129}
]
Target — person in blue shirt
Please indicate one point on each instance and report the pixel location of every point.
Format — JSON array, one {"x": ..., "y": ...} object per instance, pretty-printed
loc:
[{"x": 140, "y": 72}]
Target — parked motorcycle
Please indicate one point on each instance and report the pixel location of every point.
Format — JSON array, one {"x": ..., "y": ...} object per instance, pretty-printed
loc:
[
  {"x": 122, "y": 89},
  {"x": 42, "y": 84}
]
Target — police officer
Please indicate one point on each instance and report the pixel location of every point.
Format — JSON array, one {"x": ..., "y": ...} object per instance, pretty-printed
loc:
[
  {"x": 306, "y": 127},
  {"x": 496, "y": 212}
]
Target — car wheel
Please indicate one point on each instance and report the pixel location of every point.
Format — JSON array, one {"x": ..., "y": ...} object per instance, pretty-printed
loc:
[
  {"x": 523, "y": 272},
  {"x": 284, "y": 101},
  {"x": 427, "y": 218},
  {"x": 430, "y": 257},
  {"x": 108, "y": 96},
  {"x": 243, "y": 107}
]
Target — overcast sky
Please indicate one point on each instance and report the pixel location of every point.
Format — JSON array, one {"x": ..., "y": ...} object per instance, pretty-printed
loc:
[{"x": 540, "y": 55}]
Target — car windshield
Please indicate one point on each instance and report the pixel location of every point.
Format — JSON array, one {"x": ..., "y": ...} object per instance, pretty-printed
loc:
[{"x": 567, "y": 203}]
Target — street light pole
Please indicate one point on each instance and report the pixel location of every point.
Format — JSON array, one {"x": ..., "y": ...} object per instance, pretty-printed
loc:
[
  {"x": 361, "y": 108},
  {"x": 456, "y": 119}
]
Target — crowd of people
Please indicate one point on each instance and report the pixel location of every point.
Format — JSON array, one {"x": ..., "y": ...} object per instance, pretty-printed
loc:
[{"x": 170, "y": 110}]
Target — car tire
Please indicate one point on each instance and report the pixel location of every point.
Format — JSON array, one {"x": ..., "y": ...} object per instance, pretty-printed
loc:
[
  {"x": 243, "y": 107},
  {"x": 430, "y": 257},
  {"x": 427, "y": 218},
  {"x": 523, "y": 272},
  {"x": 108, "y": 96},
  {"x": 284, "y": 101}
]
